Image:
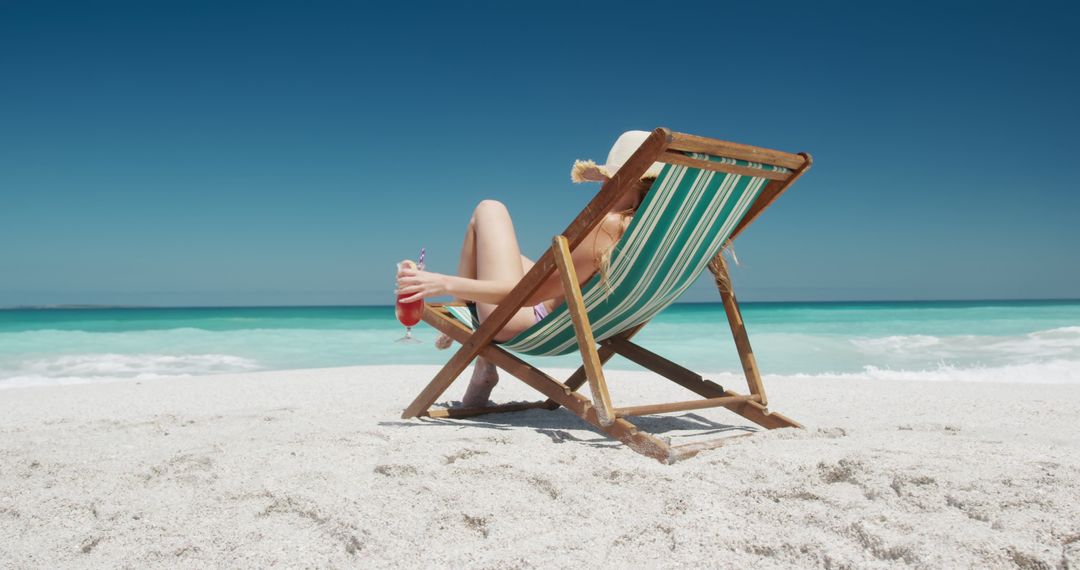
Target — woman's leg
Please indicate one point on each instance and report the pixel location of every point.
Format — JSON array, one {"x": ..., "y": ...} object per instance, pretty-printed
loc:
[
  {"x": 494, "y": 255},
  {"x": 466, "y": 268},
  {"x": 467, "y": 265},
  {"x": 498, "y": 258}
]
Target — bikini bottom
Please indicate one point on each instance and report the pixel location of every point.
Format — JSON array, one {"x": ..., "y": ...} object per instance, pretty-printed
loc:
[{"x": 540, "y": 311}]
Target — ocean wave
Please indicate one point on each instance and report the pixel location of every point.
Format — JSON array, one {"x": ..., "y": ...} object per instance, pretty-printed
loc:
[
  {"x": 86, "y": 368},
  {"x": 1047, "y": 372},
  {"x": 51, "y": 356},
  {"x": 1062, "y": 343}
]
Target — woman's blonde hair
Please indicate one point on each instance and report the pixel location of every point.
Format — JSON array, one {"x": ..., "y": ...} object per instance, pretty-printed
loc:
[{"x": 603, "y": 258}]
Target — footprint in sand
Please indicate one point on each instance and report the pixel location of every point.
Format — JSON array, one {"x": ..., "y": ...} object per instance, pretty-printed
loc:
[
  {"x": 544, "y": 486},
  {"x": 395, "y": 470},
  {"x": 463, "y": 454}
]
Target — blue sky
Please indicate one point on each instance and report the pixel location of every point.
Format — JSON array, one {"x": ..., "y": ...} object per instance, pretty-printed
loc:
[{"x": 223, "y": 153}]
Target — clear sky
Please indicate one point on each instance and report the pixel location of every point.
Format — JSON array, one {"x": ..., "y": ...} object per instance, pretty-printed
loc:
[{"x": 226, "y": 153}]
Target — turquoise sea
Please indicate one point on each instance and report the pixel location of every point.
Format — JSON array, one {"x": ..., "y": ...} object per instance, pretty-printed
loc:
[{"x": 1018, "y": 341}]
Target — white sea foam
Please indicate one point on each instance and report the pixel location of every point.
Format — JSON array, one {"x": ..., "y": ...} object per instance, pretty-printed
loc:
[
  {"x": 59, "y": 356},
  {"x": 86, "y": 368},
  {"x": 1058, "y": 343},
  {"x": 1047, "y": 372}
]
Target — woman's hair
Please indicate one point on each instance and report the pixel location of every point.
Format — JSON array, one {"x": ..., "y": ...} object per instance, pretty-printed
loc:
[{"x": 603, "y": 258}]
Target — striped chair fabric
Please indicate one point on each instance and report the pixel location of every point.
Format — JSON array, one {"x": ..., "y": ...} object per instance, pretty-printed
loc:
[{"x": 683, "y": 222}]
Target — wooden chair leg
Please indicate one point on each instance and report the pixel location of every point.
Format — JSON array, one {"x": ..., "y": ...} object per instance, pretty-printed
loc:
[
  {"x": 578, "y": 378},
  {"x": 594, "y": 370},
  {"x": 437, "y": 316},
  {"x": 742, "y": 344},
  {"x": 671, "y": 370},
  {"x": 748, "y": 408},
  {"x": 444, "y": 322},
  {"x": 442, "y": 380},
  {"x": 619, "y": 429},
  {"x": 453, "y": 413},
  {"x": 738, "y": 328}
]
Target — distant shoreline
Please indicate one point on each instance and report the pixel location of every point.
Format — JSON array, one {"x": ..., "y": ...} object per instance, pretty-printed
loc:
[
  {"x": 79, "y": 306},
  {"x": 92, "y": 307}
]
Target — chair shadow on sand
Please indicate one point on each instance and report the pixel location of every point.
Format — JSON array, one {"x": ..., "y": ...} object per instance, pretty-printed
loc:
[{"x": 555, "y": 425}]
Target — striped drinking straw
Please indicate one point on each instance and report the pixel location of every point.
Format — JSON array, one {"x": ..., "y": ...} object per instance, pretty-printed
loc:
[{"x": 420, "y": 262}]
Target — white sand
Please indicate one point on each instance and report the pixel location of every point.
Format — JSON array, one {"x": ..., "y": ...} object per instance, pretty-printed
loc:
[{"x": 314, "y": 469}]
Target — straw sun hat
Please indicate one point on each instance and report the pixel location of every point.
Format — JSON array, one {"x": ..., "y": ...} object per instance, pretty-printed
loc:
[{"x": 627, "y": 143}]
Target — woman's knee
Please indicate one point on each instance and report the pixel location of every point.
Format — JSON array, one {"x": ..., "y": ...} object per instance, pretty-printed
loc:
[{"x": 488, "y": 208}]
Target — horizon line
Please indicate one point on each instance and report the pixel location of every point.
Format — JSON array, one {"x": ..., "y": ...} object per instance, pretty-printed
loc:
[{"x": 93, "y": 306}]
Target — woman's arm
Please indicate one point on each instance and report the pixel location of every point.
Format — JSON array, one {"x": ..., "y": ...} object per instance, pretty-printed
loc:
[{"x": 423, "y": 284}]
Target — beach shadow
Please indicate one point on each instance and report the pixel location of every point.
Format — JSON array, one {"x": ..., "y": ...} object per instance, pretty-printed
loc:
[
  {"x": 555, "y": 425},
  {"x": 694, "y": 423}
]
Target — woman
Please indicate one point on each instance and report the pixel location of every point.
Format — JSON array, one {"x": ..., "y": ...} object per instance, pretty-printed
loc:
[{"x": 491, "y": 262}]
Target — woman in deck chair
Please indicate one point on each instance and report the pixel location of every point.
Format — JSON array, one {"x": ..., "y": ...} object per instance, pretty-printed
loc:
[{"x": 491, "y": 262}]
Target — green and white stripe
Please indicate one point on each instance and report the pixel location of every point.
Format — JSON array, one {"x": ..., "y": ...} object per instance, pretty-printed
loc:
[{"x": 684, "y": 221}]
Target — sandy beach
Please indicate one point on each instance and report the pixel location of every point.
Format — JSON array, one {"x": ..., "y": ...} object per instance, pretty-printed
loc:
[{"x": 313, "y": 468}]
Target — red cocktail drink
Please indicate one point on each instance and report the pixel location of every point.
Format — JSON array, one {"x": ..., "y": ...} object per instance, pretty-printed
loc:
[{"x": 409, "y": 314}]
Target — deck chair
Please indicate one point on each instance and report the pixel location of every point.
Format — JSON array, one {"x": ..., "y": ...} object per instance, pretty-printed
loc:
[{"x": 707, "y": 193}]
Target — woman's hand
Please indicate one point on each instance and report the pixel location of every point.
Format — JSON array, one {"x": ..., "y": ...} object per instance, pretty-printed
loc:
[{"x": 421, "y": 284}]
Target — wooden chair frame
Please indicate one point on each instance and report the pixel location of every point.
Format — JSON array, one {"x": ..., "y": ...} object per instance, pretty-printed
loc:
[{"x": 661, "y": 146}]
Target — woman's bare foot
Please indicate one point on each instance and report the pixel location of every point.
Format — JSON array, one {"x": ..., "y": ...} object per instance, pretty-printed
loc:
[
  {"x": 484, "y": 379},
  {"x": 443, "y": 342}
]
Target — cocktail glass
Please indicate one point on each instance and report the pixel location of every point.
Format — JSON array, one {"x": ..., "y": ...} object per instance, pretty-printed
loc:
[{"x": 408, "y": 314}]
